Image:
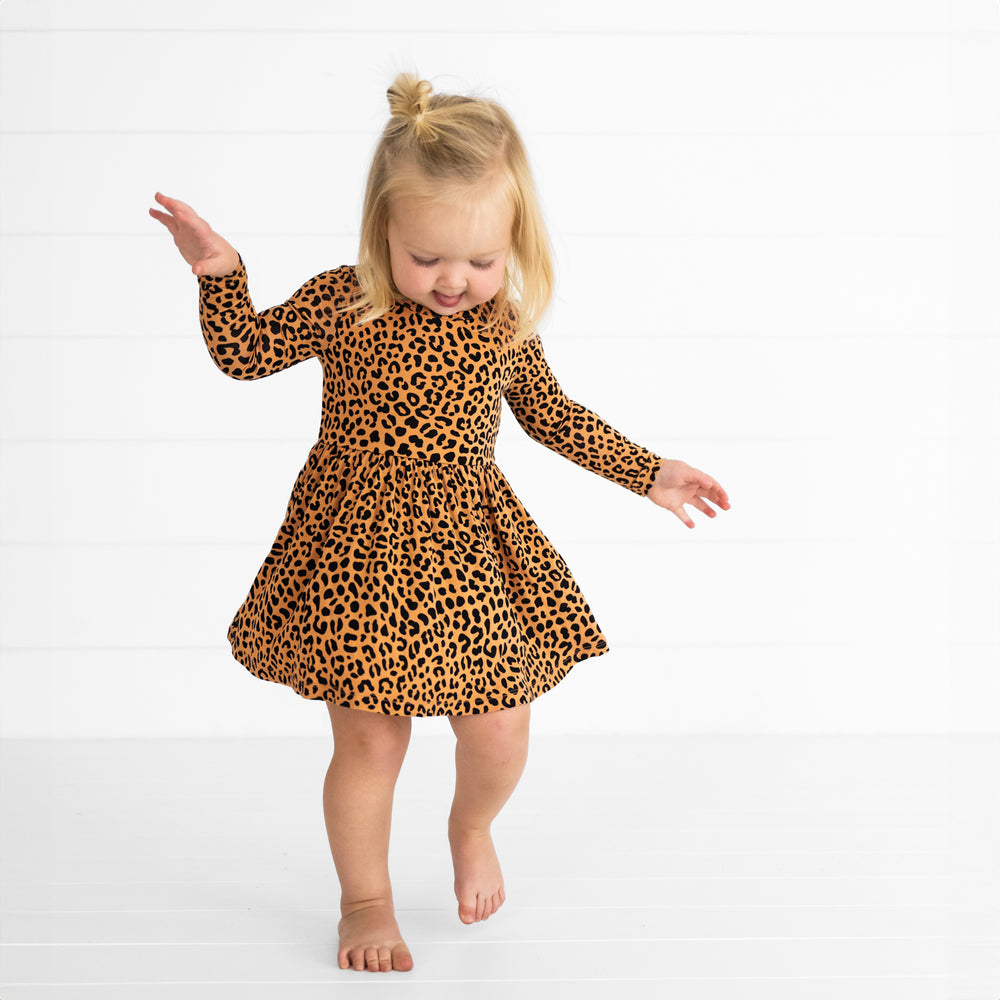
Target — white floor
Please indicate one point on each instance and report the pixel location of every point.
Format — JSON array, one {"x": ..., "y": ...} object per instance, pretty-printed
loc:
[{"x": 683, "y": 867}]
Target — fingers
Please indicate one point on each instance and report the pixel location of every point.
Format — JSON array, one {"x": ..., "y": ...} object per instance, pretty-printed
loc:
[
  {"x": 167, "y": 220},
  {"x": 682, "y": 514},
  {"x": 180, "y": 213},
  {"x": 695, "y": 501},
  {"x": 719, "y": 496},
  {"x": 709, "y": 488},
  {"x": 174, "y": 205},
  {"x": 703, "y": 507}
]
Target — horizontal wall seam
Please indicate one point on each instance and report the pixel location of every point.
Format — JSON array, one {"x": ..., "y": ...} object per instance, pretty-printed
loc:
[
  {"x": 816, "y": 234},
  {"x": 597, "y": 133},
  {"x": 424, "y": 29}
]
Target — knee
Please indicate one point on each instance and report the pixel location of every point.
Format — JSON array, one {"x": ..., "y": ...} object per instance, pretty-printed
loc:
[
  {"x": 499, "y": 736},
  {"x": 376, "y": 739}
]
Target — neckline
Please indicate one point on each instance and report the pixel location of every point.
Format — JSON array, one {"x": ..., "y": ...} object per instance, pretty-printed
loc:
[{"x": 419, "y": 307}]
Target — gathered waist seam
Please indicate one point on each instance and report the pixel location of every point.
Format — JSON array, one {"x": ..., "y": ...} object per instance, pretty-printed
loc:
[{"x": 403, "y": 458}]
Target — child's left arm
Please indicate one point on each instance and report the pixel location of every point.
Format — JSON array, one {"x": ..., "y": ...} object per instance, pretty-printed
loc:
[{"x": 548, "y": 415}]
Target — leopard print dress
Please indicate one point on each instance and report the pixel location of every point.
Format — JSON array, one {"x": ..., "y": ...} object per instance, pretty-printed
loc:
[{"x": 406, "y": 577}]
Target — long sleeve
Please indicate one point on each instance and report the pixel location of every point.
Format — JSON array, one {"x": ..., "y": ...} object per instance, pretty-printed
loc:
[
  {"x": 546, "y": 413},
  {"x": 246, "y": 344}
]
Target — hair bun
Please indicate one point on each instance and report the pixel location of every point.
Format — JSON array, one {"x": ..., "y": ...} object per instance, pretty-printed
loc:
[{"x": 409, "y": 97}]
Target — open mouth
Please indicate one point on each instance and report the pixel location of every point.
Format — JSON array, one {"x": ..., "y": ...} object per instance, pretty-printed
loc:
[{"x": 447, "y": 301}]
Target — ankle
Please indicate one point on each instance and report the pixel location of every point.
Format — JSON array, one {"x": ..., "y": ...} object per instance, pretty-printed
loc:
[{"x": 350, "y": 906}]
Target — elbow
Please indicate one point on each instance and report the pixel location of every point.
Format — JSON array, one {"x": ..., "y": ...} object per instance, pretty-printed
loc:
[
  {"x": 244, "y": 374},
  {"x": 544, "y": 430},
  {"x": 233, "y": 366}
]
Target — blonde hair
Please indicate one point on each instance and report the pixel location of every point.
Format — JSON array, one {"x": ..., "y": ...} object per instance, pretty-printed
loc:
[{"x": 435, "y": 140}]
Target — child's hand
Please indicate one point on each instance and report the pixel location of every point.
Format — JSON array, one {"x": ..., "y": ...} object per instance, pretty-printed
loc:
[
  {"x": 677, "y": 484},
  {"x": 205, "y": 250}
]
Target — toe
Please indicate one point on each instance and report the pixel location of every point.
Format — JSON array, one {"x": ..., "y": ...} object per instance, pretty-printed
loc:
[
  {"x": 402, "y": 960},
  {"x": 467, "y": 912},
  {"x": 385, "y": 959},
  {"x": 371, "y": 959}
]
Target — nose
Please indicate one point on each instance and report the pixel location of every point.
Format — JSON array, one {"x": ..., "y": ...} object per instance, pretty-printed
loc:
[{"x": 451, "y": 279}]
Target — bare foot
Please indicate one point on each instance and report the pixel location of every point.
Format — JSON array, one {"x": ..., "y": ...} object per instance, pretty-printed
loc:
[
  {"x": 478, "y": 879},
  {"x": 370, "y": 939}
]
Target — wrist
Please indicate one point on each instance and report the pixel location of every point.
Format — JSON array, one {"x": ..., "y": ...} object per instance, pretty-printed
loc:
[{"x": 221, "y": 265}]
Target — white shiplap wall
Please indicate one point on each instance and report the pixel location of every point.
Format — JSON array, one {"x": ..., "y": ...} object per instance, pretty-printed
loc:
[{"x": 778, "y": 234}]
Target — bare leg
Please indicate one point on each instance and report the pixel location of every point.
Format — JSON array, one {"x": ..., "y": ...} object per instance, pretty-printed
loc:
[
  {"x": 490, "y": 755},
  {"x": 357, "y": 803}
]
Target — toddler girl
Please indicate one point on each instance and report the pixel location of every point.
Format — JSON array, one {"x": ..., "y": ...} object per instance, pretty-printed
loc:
[{"x": 406, "y": 578}]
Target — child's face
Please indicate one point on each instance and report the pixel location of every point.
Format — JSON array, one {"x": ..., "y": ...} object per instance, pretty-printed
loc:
[{"x": 449, "y": 253}]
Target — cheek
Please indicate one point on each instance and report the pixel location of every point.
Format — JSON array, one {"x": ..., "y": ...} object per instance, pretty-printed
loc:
[
  {"x": 403, "y": 274},
  {"x": 492, "y": 280},
  {"x": 401, "y": 267}
]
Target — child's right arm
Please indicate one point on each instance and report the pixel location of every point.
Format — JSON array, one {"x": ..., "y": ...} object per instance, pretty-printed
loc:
[{"x": 245, "y": 344}]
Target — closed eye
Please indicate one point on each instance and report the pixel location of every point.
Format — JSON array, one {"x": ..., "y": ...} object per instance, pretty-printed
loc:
[{"x": 479, "y": 265}]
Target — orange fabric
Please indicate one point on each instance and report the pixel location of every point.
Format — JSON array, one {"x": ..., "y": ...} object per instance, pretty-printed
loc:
[{"x": 406, "y": 577}]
